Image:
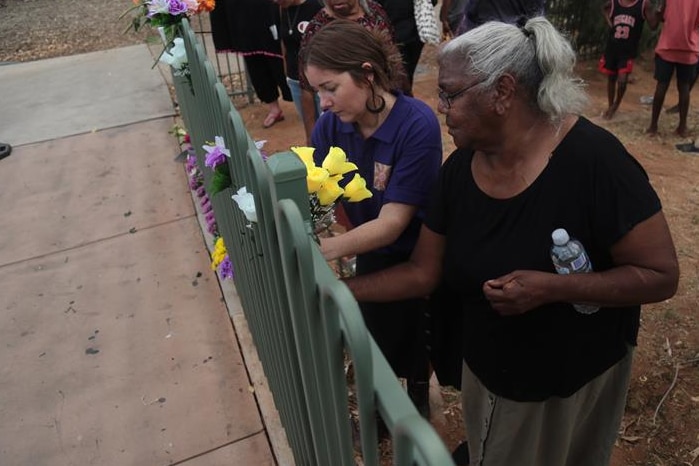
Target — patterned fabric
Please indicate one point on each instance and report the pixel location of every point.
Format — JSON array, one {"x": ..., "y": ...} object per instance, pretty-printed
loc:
[
  {"x": 375, "y": 19},
  {"x": 427, "y": 27}
]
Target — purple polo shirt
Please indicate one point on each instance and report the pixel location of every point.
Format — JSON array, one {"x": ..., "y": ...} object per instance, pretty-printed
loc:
[{"x": 399, "y": 161}]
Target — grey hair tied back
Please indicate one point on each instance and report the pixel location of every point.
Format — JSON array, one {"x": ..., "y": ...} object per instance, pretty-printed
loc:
[{"x": 522, "y": 25}]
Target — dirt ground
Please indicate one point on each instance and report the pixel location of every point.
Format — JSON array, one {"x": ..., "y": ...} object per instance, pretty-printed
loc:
[{"x": 661, "y": 425}]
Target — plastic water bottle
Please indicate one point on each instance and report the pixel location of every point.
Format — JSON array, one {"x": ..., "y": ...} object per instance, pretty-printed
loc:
[{"x": 569, "y": 256}]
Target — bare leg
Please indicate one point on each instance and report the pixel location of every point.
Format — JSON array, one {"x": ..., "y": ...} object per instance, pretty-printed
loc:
[
  {"x": 676, "y": 108},
  {"x": 611, "y": 95},
  {"x": 621, "y": 90},
  {"x": 658, "y": 99},
  {"x": 274, "y": 107},
  {"x": 683, "y": 90},
  {"x": 275, "y": 114}
]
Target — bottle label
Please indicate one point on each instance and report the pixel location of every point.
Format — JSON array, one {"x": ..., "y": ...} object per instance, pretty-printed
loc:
[{"x": 579, "y": 263}]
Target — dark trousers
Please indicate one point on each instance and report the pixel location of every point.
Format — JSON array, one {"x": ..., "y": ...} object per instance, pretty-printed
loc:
[
  {"x": 267, "y": 77},
  {"x": 400, "y": 327},
  {"x": 410, "y": 53}
]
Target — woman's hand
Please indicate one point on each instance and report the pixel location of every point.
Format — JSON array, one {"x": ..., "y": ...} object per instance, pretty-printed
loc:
[
  {"x": 393, "y": 219},
  {"x": 517, "y": 292},
  {"x": 646, "y": 271}
]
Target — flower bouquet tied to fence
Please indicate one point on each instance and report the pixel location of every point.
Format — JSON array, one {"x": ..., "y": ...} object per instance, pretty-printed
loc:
[
  {"x": 324, "y": 187},
  {"x": 166, "y": 16}
]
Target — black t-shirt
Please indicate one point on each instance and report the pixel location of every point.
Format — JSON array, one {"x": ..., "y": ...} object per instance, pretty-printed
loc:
[
  {"x": 401, "y": 13},
  {"x": 243, "y": 26},
  {"x": 594, "y": 189},
  {"x": 293, "y": 22}
]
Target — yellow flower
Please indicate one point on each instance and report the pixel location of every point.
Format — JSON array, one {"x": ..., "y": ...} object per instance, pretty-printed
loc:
[
  {"x": 305, "y": 154},
  {"x": 329, "y": 191},
  {"x": 218, "y": 254},
  {"x": 356, "y": 190},
  {"x": 336, "y": 162},
  {"x": 315, "y": 178}
]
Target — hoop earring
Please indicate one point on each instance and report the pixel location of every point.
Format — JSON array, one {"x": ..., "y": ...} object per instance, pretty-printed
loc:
[{"x": 378, "y": 103}]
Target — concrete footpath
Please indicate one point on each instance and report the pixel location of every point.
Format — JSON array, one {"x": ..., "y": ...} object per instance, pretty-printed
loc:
[{"x": 117, "y": 345}]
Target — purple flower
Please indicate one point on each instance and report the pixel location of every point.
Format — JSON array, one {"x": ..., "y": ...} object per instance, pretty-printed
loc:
[
  {"x": 216, "y": 154},
  {"x": 210, "y": 219},
  {"x": 206, "y": 206},
  {"x": 212, "y": 228},
  {"x": 201, "y": 191},
  {"x": 190, "y": 163},
  {"x": 194, "y": 183},
  {"x": 177, "y": 7},
  {"x": 260, "y": 145},
  {"x": 225, "y": 268}
]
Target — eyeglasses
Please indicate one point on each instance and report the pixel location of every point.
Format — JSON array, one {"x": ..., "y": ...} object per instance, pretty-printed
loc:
[{"x": 448, "y": 99}]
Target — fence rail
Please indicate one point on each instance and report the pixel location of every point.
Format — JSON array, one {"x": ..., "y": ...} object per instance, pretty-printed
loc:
[{"x": 304, "y": 322}]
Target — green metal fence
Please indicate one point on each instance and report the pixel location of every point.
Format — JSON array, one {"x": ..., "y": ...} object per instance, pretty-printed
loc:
[
  {"x": 229, "y": 66},
  {"x": 303, "y": 320}
]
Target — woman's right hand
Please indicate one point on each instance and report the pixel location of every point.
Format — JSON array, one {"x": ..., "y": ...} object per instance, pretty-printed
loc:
[{"x": 517, "y": 292}]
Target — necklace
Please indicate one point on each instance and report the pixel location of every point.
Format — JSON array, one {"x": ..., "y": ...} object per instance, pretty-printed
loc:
[{"x": 292, "y": 22}]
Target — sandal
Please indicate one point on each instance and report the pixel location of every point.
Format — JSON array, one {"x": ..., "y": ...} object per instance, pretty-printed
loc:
[
  {"x": 271, "y": 119},
  {"x": 687, "y": 147},
  {"x": 5, "y": 150}
]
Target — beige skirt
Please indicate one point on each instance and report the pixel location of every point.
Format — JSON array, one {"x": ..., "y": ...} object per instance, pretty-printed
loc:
[{"x": 576, "y": 431}]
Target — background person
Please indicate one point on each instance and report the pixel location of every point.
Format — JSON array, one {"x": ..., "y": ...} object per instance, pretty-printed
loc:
[
  {"x": 676, "y": 108},
  {"x": 625, "y": 19},
  {"x": 249, "y": 27},
  {"x": 451, "y": 14},
  {"x": 395, "y": 141},
  {"x": 677, "y": 51},
  {"x": 477, "y": 12},
  {"x": 542, "y": 385},
  {"x": 401, "y": 13},
  {"x": 294, "y": 16}
]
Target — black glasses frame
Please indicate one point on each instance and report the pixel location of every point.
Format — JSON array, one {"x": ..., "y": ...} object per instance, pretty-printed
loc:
[{"x": 448, "y": 98}]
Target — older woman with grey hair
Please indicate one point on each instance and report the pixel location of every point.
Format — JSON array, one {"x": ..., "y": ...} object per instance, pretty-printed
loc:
[{"x": 542, "y": 384}]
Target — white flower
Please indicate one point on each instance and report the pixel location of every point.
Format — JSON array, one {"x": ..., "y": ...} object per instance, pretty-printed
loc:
[
  {"x": 260, "y": 144},
  {"x": 246, "y": 203},
  {"x": 176, "y": 56},
  {"x": 156, "y": 7}
]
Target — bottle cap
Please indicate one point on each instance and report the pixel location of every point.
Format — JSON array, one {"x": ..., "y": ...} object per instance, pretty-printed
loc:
[{"x": 560, "y": 236}]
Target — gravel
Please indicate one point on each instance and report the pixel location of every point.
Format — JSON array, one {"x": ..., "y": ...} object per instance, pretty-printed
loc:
[{"x": 36, "y": 29}]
